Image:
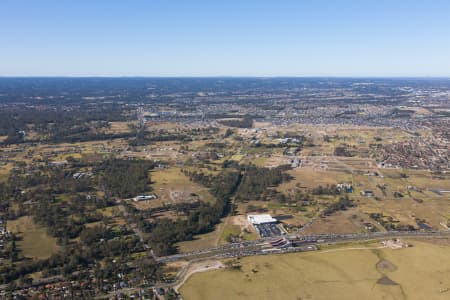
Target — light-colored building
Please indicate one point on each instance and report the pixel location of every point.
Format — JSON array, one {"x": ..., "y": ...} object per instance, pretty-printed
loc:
[
  {"x": 144, "y": 197},
  {"x": 261, "y": 219}
]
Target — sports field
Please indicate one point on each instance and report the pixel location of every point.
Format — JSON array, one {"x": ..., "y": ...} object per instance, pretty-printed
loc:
[{"x": 419, "y": 272}]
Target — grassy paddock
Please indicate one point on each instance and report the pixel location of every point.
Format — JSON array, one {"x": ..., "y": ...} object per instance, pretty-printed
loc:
[
  {"x": 420, "y": 272},
  {"x": 201, "y": 241},
  {"x": 35, "y": 243},
  {"x": 169, "y": 183}
]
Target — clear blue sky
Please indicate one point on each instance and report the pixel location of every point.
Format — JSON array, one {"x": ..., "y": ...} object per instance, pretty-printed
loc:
[{"x": 225, "y": 37}]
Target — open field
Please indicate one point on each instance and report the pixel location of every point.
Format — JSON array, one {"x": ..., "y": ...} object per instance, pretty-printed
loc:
[
  {"x": 118, "y": 127},
  {"x": 4, "y": 172},
  {"x": 35, "y": 243},
  {"x": 243, "y": 231},
  {"x": 232, "y": 225},
  {"x": 310, "y": 178},
  {"x": 340, "y": 222},
  {"x": 172, "y": 186},
  {"x": 419, "y": 272},
  {"x": 406, "y": 195},
  {"x": 202, "y": 241}
]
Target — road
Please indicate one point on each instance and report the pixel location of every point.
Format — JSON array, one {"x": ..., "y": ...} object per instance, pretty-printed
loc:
[
  {"x": 136, "y": 230},
  {"x": 262, "y": 246},
  {"x": 207, "y": 258}
]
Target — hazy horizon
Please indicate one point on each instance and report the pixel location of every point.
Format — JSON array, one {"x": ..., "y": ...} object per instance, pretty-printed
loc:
[{"x": 220, "y": 76}]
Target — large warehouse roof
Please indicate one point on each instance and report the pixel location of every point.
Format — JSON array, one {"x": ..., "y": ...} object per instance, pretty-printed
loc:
[{"x": 261, "y": 219}]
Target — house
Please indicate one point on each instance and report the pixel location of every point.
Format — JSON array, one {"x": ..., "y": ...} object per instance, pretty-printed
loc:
[
  {"x": 296, "y": 163},
  {"x": 367, "y": 193},
  {"x": 346, "y": 187}
]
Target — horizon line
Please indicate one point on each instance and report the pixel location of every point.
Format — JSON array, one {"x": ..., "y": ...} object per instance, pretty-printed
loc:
[{"x": 236, "y": 76}]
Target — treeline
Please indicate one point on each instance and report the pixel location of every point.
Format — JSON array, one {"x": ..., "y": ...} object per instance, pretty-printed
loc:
[
  {"x": 202, "y": 220},
  {"x": 344, "y": 150},
  {"x": 326, "y": 190},
  {"x": 125, "y": 178},
  {"x": 342, "y": 204},
  {"x": 256, "y": 181},
  {"x": 114, "y": 251},
  {"x": 143, "y": 137},
  {"x": 245, "y": 122},
  {"x": 55, "y": 179},
  {"x": 165, "y": 233},
  {"x": 52, "y": 200},
  {"x": 390, "y": 224},
  {"x": 65, "y": 220},
  {"x": 55, "y": 199},
  {"x": 59, "y": 123}
]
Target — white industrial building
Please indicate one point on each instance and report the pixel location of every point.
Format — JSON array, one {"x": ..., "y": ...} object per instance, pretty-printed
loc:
[
  {"x": 261, "y": 219},
  {"x": 144, "y": 197}
]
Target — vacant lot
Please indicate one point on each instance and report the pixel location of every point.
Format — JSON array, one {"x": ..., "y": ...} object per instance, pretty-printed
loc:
[
  {"x": 201, "y": 241},
  {"x": 119, "y": 127},
  {"x": 171, "y": 186},
  {"x": 4, "y": 171},
  {"x": 420, "y": 272},
  {"x": 311, "y": 178},
  {"x": 35, "y": 243}
]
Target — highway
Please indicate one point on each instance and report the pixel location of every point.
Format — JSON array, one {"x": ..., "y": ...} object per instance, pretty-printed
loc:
[
  {"x": 300, "y": 243},
  {"x": 263, "y": 247}
]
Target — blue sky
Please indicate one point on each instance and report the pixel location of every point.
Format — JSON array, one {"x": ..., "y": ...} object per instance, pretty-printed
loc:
[{"x": 225, "y": 38}]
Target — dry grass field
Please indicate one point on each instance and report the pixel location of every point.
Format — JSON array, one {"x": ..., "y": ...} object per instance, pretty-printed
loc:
[
  {"x": 35, "y": 243},
  {"x": 418, "y": 203},
  {"x": 340, "y": 222},
  {"x": 172, "y": 186},
  {"x": 352, "y": 272},
  {"x": 310, "y": 178},
  {"x": 4, "y": 171},
  {"x": 202, "y": 241},
  {"x": 119, "y": 127}
]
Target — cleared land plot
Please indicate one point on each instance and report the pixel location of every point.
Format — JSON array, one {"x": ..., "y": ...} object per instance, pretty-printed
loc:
[
  {"x": 420, "y": 272},
  {"x": 233, "y": 230},
  {"x": 4, "y": 172},
  {"x": 417, "y": 203},
  {"x": 202, "y": 241},
  {"x": 172, "y": 186},
  {"x": 406, "y": 210},
  {"x": 118, "y": 127},
  {"x": 339, "y": 222},
  {"x": 310, "y": 178},
  {"x": 35, "y": 243}
]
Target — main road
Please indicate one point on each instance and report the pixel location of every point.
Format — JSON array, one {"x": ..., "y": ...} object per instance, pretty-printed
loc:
[{"x": 298, "y": 243}]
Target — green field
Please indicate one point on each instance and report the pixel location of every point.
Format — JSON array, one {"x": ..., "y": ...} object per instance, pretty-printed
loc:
[
  {"x": 35, "y": 243},
  {"x": 419, "y": 272}
]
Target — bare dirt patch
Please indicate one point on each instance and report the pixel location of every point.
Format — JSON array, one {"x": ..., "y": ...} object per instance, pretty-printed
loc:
[
  {"x": 386, "y": 265},
  {"x": 386, "y": 281}
]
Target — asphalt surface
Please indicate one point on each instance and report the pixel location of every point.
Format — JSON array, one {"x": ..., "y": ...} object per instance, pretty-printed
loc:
[{"x": 262, "y": 246}]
